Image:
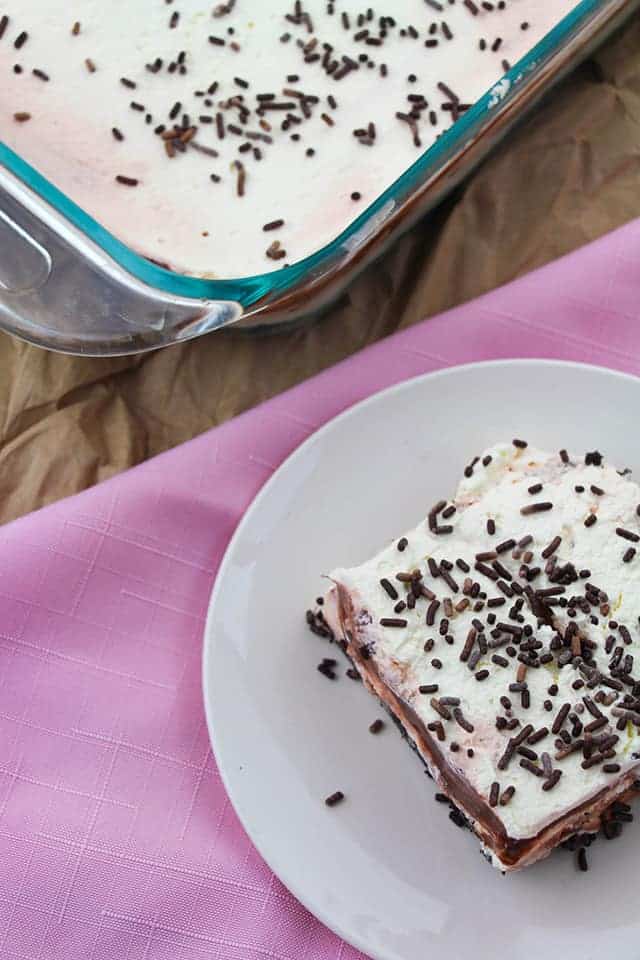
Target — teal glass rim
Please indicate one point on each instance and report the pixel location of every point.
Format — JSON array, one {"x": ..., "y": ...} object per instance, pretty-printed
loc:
[{"x": 247, "y": 291}]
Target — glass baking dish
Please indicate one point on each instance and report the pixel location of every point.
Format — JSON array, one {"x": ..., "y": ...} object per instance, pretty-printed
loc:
[{"x": 66, "y": 283}]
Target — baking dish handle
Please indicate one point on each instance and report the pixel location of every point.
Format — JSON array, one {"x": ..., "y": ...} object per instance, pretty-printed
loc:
[{"x": 55, "y": 296}]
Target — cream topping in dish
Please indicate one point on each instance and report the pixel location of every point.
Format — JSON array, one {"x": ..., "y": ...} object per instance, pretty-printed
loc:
[
  {"x": 229, "y": 139},
  {"x": 508, "y": 623}
]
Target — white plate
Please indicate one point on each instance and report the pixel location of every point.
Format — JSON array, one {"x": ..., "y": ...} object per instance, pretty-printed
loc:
[{"x": 386, "y": 869}]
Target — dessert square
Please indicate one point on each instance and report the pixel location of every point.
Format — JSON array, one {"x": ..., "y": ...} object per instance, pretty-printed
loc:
[{"x": 501, "y": 634}]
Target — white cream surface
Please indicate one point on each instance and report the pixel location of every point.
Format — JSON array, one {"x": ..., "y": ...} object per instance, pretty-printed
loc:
[
  {"x": 176, "y": 214},
  {"x": 499, "y": 491}
]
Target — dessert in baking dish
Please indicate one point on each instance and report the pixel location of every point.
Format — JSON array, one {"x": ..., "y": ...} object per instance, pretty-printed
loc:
[{"x": 229, "y": 139}]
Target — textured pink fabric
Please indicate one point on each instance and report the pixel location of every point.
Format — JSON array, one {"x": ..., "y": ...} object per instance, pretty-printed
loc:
[{"x": 116, "y": 838}]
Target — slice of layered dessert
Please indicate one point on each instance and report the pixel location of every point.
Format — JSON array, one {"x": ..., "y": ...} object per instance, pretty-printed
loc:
[{"x": 501, "y": 634}]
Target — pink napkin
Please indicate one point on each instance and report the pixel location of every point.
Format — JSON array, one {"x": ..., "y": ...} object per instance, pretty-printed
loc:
[{"x": 116, "y": 837}]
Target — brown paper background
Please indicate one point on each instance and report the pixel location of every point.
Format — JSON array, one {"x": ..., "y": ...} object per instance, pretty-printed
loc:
[{"x": 570, "y": 173}]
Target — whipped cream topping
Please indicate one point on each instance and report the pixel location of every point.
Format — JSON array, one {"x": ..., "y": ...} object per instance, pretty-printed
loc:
[
  {"x": 582, "y": 578},
  {"x": 144, "y": 68}
]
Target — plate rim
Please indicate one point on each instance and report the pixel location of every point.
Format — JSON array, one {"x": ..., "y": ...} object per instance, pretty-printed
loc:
[{"x": 271, "y": 859}]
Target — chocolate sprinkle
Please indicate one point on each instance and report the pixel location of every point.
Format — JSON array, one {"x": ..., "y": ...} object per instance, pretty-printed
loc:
[
  {"x": 551, "y": 548},
  {"x": 461, "y": 720},
  {"x": 326, "y": 669},
  {"x": 627, "y": 535},
  {"x": 505, "y": 545},
  {"x": 388, "y": 587},
  {"x": 538, "y": 735},
  {"x": 444, "y": 712},
  {"x": 531, "y": 767},
  {"x": 506, "y": 796},
  {"x": 541, "y": 507},
  {"x": 552, "y": 780},
  {"x": 560, "y": 718},
  {"x": 436, "y": 727},
  {"x": 334, "y": 799}
]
